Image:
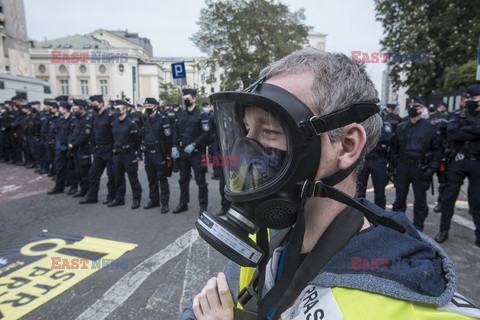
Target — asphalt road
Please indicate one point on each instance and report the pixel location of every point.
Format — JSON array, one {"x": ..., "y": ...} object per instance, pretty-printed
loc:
[{"x": 171, "y": 263}]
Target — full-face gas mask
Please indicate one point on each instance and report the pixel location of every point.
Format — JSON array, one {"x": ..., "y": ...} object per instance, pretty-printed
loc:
[{"x": 272, "y": 142}]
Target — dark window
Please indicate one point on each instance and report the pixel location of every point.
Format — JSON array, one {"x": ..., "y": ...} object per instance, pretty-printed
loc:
[{"x": 46, "y": 89}]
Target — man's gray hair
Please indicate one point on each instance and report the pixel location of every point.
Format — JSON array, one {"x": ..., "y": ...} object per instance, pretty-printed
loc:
[{"x": 338, "y": 83}]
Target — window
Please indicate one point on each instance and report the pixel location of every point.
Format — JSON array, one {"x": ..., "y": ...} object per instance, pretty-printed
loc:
[
  {"x": 46, "y": 89},
  {"x": 64, "y": 86},
  {"x": 103, "y": 87},
  {"x": 83, "y": 69},
  {"x": 84, "y": 86},
  {"x": 63, "y": 69},
  {"x": 102, "y": 69},
  {"x": 121, "y": 68},
  {"x": 212, "y": 89},
  {"x": 42, "y": 68}
]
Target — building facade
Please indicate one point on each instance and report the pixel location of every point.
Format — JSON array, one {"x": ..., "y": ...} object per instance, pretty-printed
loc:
[
  {"x": 14, "y": 54},
  {"x": 116, "y": 64}
]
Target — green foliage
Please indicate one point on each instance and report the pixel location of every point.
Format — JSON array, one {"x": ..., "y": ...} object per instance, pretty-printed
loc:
[
  {"x": 460, "y": 77},
  {"x": 169, "y": 93},
  {"x": 244, "y": 36},
  {"x": 445, "y": 29}
]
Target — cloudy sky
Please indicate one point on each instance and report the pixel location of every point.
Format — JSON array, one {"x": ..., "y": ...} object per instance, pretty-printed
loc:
[{"x": 350, "y": 24}]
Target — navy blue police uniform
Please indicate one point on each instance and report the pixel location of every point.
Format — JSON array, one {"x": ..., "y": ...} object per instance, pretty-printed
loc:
[
  {"x": 463, "y": 138},
  {"x": 40, "y": 118},
  {"x": 126, "y": 141},
  {"x": 64, "y": 127},
  {"x": 439, "y": 121},
  {"x": 191, "y": 128},
  {"x": 157, "y": 141},
  {"x": 376, "y": 166},
  {"x": 417, "y": 148},
  {"x": 102, "y": 149},
  {"x": 79, "y": 143}
]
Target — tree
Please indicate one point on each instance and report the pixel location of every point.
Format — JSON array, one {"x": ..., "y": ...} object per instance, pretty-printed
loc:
[
  {"x": 444, "y": 29},
  {"x": 460, "y": 77},
  {"x": 170, "y": 94},
  {"x": 244, "y": 36}
]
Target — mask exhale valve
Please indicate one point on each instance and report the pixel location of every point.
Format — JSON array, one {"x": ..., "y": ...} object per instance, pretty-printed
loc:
[{"x": 231, "y": 237}]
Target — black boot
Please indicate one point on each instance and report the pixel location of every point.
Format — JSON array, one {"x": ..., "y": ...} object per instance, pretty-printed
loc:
[
  {"x": 441, "y": 236},
  {"x": 180, "y": 208}
]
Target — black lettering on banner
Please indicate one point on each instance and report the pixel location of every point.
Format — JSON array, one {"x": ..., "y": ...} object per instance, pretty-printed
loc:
[
  {"x": 58, "y": 275},
  {"x": 461, "y": 302},
  {"x": 46, "y": 287},
  {"x": 37, "y": 270},
  {"x": 21, "y": 281},
  {"x": 17, "y": 302}
]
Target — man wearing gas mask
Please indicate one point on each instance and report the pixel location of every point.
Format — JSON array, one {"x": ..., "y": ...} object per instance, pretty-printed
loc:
[
  {"x": 463, "y": 159},
  {"x": 417, "y": 146},
  {"x": 296, "y": 140},
  {"x": 190, "y": 135}
]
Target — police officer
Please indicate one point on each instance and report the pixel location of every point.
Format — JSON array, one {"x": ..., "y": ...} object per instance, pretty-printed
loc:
[
  {"x": 102, "y": 144},
  {"x": 438, "y": 117},
  {"x": 44, "y": 119},
  {"x": 391, "y": 116},
  {"x": 3, "y": 118},
  {"x": 190, "y": 135},
  {"x": 65, "y": 126},
  {"x": 7, "y": 125},
  {"x": 416, "y": 145},
  {"x": 376, "y": 165},
  {"x": 157, "y": 140},
  {"x": 126, "y": 137},
  {"x": 79, "y": 143},
  {"x": 27, "y": 131},
  {"x": 463, "y": 136},
  {"x": 51, "y": 135}
]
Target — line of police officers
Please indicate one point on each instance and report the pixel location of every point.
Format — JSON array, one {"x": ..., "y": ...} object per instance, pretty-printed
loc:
[
  {"x": 411, "y": 150},
  {"x": 63, "y": 138},
  {"x": 75, "y": 142}
]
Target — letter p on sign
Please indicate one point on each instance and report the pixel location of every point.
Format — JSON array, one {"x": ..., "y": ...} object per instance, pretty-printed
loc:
[{"x": 179, "y": 73}]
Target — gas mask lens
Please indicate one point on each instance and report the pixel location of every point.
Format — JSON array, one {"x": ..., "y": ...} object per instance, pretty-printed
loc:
[{"x": 254, "y": 146}]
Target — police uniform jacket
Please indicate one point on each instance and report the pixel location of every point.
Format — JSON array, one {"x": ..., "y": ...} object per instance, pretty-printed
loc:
[
  {"x": 191, "y": 127},
  {"x": 157, "y": 130},
  {"x": 125, "y": 133},
  {"x": 102, "y": 128},
  {"x": 82, "y": 132},
  {"x": 417, "y": 141}
]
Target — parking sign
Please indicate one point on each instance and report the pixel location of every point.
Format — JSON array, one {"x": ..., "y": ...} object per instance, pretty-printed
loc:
[{"x": 179, "y": 74}]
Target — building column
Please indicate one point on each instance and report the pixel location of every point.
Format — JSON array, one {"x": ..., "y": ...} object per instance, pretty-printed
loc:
[
  {"x": 72, "y": 80},
  {"x": 92, "y": 86}
]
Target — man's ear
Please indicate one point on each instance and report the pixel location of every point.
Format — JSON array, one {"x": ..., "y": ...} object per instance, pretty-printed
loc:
[{"x": 351, "y": 145}]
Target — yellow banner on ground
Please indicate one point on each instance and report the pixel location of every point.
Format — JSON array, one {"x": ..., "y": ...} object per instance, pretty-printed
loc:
[{"x": 37, "y": 271}]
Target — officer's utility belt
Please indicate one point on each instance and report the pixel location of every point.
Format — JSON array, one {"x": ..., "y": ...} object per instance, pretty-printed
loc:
[
  {"x": 466, "y": 156},
  {"x": 105, "y": 146},
  {"x": 412, "y": 162},
  {"x": 155, "y": 147},
  {"x": 375, "y": 156},
  {"x": 84, "y": 147},
  {"x": 124, "y": 150}
]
